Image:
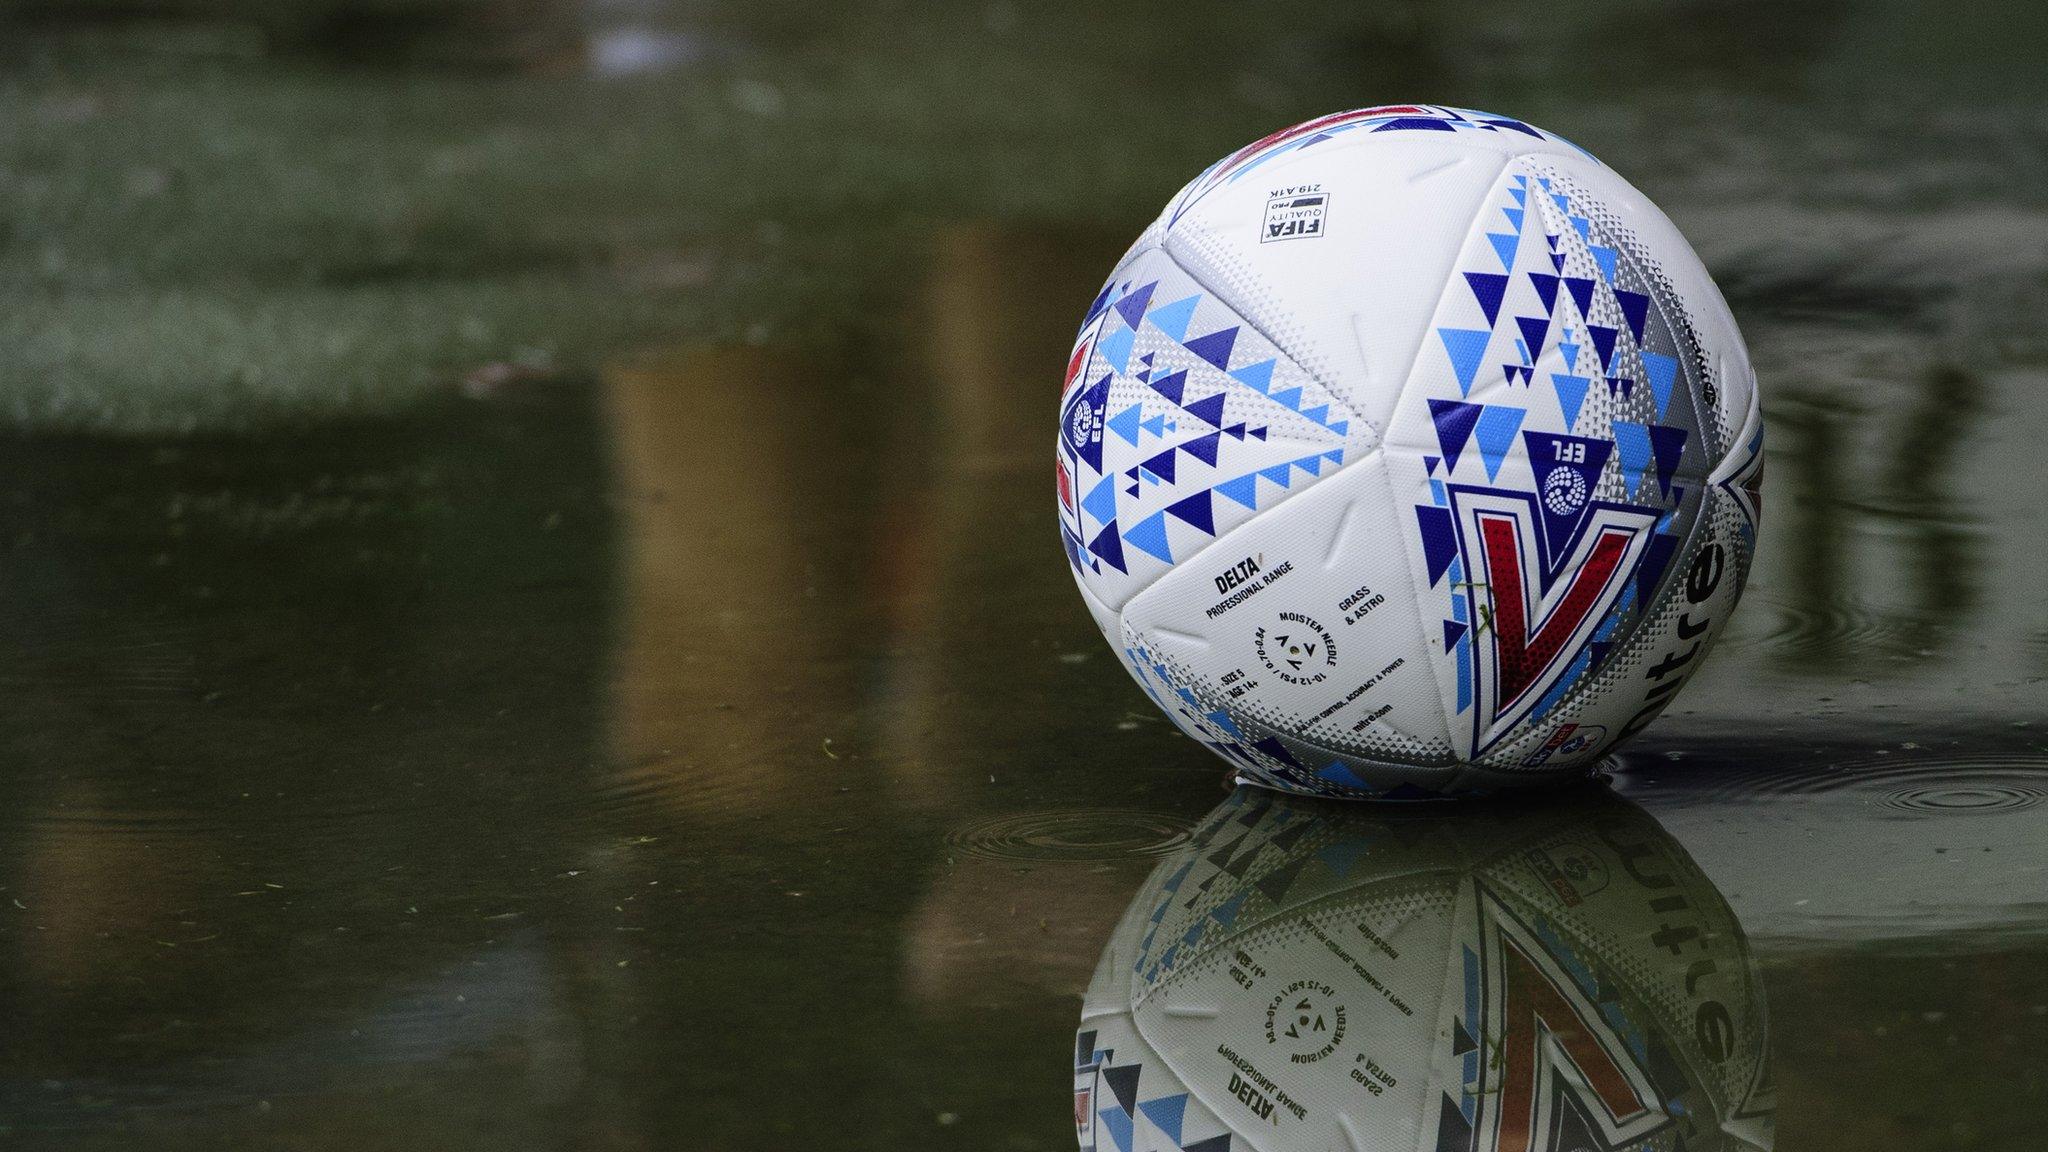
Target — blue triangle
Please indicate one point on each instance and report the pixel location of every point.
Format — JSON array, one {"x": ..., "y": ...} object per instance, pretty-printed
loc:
[
  {"x": 1243, "y": 490},
  {"x": 1118, "y": 1122},
  {"x": 1452, "y": 630},
  {"x": 1340, "y": 427},
  {"x": 1571, "y": 393},
  {"x": 1338, "y": 773},
  {"x": 1173, "y": 318},
  {"x": 1534, "y": 329},
  {"x": 1101, "y": 501},
  {"x": 1504, "y": 245},
  {"x": 1203, "y": 448},
  {"x": 1439, "y": 540},
  {"x": 1667, "y": 444},
  {"x": 1467, "y": 347},
  {"x": 1581, "y": 289},
  {"x": 1584, "y": 226},
  {"x": 1132, "y": 307},
  {"x": 1454, "y": 421},
  {"x": 1604, "y": 256},
  {"x": 1557, "y": 198},
  {"x": 1278, "y": 474},
  {"x": 1546, "y": 289},
  {"x": 1125, "y": 424},
  {"x": 1603, "y": 343},
  {"x": 1156, "y": 425},
  {"x": 1429, "y": 464},
  {"x": 1313, "y": 465},
  {"x": 1116, "y": 348},
  {"x": 1316, "y": 413},
  {"x": 1149, "y": 535},
  {"x": 1521, "y": 195},
  {"x": 1109, "y": 547},
  {"x": 1258, "y": 377},
  {"x": 1488, "y": 288},
  {"x": 1663, "y": 372},
  {"x": 1514, "y": 216},
  {"x": 1634, "y": 308},
  {"x": 1496, "y": 434},
  {"x": 1161, "y": 466},
  {"x": 1171, "y": 385},
  {"x": 1334, "y": 455},
  {"x": 1195, "y": 510},
  {"x": 1288, "y": 398},
  {"x": 1215, "y": 347},
  {"x": 1633, "y": 441},
  {"x": 1166, "y": 1112},
  {"x": 1209, "y": 410}
]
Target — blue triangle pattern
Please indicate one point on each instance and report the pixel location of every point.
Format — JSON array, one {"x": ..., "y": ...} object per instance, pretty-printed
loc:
[
  {"x": 1209, "y": 410},
  {"x": 1466, "y": 348},
  {"x": 1605, "y": 257},
  {"x": 1258, "y": 377},
  {"x": 1633, "y": 442},
  {"x": 1215, "y": 347},
  {"x": 1454, "y": 421},
  {"x": 1571, "y": 394},
  {"x": 1116, "y": 348},
  {"x": 1504, "y": 245},
  {"x": 1338, "y": 773},
  {"x": 1173, "y": 318},
  {"x": 1166, "y": 1112},
  {"x": 1149, "y": 536},
  {"x": 1100, "y": 502},
  {"x": 1663, "y": 371},
  {"x": 1495, "y": 432},
  {"x": 1118, "y": 1122},
  {"x": 1243, "y": 490},
  {"x": 1125, "y": 424},
  {"x": 1132, "y": 306},
  {"x": 1488, "y": 288}
]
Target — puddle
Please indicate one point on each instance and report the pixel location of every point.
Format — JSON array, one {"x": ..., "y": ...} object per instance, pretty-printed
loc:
[{"x": 686, "y": 735}]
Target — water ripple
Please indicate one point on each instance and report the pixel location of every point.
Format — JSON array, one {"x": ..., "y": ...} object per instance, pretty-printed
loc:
[{"x": 1072, "y": 834}]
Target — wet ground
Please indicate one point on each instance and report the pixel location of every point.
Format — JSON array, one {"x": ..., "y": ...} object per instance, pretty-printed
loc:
[{"x": 564, "y": 642}]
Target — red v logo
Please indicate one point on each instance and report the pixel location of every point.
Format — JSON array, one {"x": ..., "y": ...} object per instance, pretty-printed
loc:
[
  {"x": 1535, "y": 603},
  {"x": 1524, "y": 656}
]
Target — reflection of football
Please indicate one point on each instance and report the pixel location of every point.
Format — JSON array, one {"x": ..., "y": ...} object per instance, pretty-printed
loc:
[
  {"x": 1435, "y": 387},
  {"x": 1304, "y": 975}
]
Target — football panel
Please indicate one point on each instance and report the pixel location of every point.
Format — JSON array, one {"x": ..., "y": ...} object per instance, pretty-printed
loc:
[
  {"x": 1336, "y": 241},
  {"x": 1550, "y": 453},
  {"x": 1179, "y": 420},
  {"x": 1294, "y": 638}
]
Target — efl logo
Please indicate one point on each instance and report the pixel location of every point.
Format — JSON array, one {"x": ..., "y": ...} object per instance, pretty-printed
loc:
[{"x": 1295, "y": 214}]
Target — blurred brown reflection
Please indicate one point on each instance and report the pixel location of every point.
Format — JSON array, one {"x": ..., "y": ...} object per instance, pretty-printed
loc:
[{"x": 720, "y": 617}]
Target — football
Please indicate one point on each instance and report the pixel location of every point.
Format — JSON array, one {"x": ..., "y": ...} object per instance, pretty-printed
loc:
[
  {"x": 1410, "y": 452},
  {"x": 1311, "y": 975}
]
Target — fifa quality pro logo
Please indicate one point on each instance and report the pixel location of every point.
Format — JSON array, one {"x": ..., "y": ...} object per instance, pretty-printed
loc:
[{"x": 1297, "y": 213}]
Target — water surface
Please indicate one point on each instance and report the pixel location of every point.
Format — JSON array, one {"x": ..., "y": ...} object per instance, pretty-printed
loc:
[{"x": 527, "y": 650}]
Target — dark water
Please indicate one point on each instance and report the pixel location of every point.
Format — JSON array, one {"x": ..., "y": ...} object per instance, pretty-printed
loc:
[{"x": 689, "y": 738}]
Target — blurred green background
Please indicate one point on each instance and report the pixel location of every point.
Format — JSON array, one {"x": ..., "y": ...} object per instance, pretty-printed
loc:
[{"x": 234, "y": 212}]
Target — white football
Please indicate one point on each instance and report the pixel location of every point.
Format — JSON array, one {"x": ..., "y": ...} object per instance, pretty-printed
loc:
[
  {"x": 1410, "y": 452},
  {"x": 1324, "y": 977}
]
